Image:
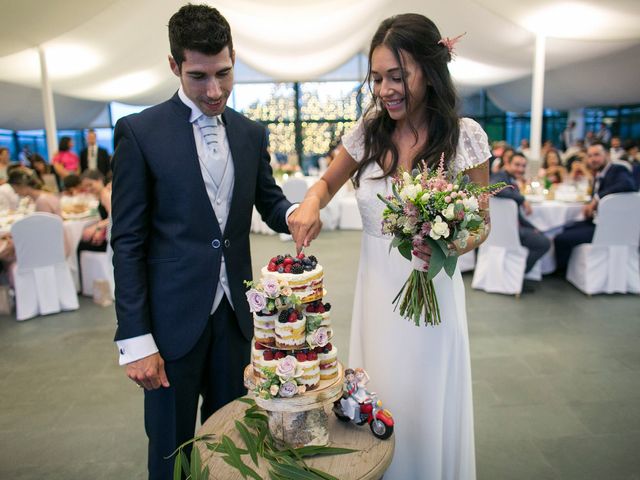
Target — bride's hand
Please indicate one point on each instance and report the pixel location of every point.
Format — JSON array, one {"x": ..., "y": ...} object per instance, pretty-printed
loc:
[
  {"x": 305, "y": 223},
  {"x": 423, "y": 252}
]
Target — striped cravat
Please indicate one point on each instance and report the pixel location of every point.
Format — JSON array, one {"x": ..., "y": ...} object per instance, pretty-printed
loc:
[{"x": 213, "y": 161}]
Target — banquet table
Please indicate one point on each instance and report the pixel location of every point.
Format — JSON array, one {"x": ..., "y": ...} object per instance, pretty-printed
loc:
[{"x": 550, "y": 217}]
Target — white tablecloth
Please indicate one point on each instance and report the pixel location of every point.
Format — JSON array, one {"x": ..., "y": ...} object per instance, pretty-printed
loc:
[{"x": 550, "y": 214}]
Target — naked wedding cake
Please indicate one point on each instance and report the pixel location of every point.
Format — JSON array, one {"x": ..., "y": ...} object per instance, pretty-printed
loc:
[{"x": 291, "y": 351}]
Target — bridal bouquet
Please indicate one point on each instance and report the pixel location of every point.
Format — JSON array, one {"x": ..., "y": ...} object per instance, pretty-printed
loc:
[{"x": 429, "y": 208}]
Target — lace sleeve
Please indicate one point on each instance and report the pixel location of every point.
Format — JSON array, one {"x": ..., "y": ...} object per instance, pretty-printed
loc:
[
  {"x": 353, "y": 141},
  {"x": 473, "y": 145}
]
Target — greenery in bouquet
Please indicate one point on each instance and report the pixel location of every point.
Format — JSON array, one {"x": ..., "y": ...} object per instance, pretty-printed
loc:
[
  {"x": 427, "y": 207},
  {"x": 270, "y": 295}
]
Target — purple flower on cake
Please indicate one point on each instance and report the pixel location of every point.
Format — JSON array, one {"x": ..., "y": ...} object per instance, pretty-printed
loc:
[
  {"x": 319, "y": 338},
  {"x": 256, "y": 299},
  {"x": 287, "y": 368},
  {"x": 271, "y": 287},
  {"x": 288, "y": 389}
]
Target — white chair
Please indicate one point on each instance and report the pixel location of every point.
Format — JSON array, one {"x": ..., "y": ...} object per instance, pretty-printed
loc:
[
  {"x": 610, "y": 263},
  {"x": 96, "y": 266},
  {"x": 467, "y": 262},
  {"x": 501, "y": 258},
  {"x": 43, "y": 282},
  {"x": 295, "y": 188}
]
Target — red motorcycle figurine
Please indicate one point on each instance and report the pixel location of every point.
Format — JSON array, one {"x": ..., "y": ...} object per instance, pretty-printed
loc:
[{"x": 360, "y": 406}]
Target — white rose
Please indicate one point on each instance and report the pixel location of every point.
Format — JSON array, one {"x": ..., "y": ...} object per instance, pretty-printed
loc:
[
  {"x": 426, "y": 196},
  {"x": 406, "y": 178},
  {"x": 448, "y": 212},
  {"x": 409, "y": 192},
  {"x": 470, "y": 204},
  {"x": 439, "y": 229}
]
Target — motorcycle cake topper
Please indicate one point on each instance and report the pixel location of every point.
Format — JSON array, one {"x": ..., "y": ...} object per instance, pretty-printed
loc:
[{"x": 360, "y": 406}]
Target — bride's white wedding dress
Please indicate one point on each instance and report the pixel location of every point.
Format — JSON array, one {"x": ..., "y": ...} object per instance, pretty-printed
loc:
[{"x": 421, "y": 374}]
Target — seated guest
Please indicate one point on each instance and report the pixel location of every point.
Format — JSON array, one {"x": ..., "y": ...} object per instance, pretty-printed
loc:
[
  {"x": 71, "y": 185},
  {"x": 65, "y": 161},
  {"x": 632, "y": 155},
  {"x": 577, "y": 167},
  {"x": 552, "y": 170},
  {"x": 94, "y": 237},
  {"x": 530, "y": 237},
  {"x": 608, "y": 178},
  {"x": 44, "y": 172},
  {"x": 26, "y": 184},
  {"x": 94, "y": 157},
  {"x": 5, "y": 160}
]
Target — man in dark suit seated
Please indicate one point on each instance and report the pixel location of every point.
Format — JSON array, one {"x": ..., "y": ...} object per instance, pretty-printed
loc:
[
  {"x": 186, "y": 176},
  {"x": 535, "y": 241},
  {"x": 608, "y": 178},
  {"x": 94, "y": 157}
]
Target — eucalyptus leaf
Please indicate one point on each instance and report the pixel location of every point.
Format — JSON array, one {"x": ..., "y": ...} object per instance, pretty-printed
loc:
[
  {"x": 405, "y": 249},
  {"x": 313, "y": 450},
  {"x": 185, "y": 463},
  {"x": 450, "y": 264},
  {"x": 436, "y": 262},
  {"x": 196, "y": 463},
  {"x": 177, "y": 467},
  {"x": 249, "y": 441},
  {"x": 294, "y": 472}
]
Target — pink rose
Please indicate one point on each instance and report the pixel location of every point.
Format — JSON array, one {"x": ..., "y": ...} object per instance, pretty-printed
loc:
[
  {"x": 320, "y": 337},
  {"x": 270, "y": 286},
  {"x": 287, "y": 368},
  {"x": 256, "y": 299},
  {"x": 288, "y": 389}
]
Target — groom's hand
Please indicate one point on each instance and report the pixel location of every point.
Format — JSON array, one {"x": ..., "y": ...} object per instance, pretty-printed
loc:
[
  {"x": 148, "y": 372},
  {"x": 305, "y": 223}
]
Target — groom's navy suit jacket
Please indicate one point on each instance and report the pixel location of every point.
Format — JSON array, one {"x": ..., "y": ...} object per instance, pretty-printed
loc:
[{"x": 166, "y": 239}]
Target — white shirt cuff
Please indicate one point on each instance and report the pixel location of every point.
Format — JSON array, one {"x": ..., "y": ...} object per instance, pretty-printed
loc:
[
  {"x": 290, "y": 210},
  {"x": 132, "y": 349}
]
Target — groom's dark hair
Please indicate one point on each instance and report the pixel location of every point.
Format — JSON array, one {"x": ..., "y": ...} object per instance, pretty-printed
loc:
[{"x": 200, "y": 28}]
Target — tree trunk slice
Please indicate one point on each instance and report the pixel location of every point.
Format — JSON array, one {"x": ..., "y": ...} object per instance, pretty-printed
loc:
[{"x": 368, "y": 463}]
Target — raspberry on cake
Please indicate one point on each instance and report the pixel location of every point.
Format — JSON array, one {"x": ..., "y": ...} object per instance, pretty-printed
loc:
[
  {"x": 310, "y": 364},
  {"x": 304, "y": 275},
  {"x": 290, "y": 329}
]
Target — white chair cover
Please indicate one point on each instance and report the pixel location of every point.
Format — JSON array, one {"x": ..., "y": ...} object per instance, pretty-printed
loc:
[
  {"x": 43, "y": 282},
  {"x": 95, "y": 266},
  {"x": 295, "y": 188},
  {"x": 610, "y": 263},
  {"x": 501, "y": 258},
  {"x": 467, "y": 262},
  {"x": 350, "y": 218}
]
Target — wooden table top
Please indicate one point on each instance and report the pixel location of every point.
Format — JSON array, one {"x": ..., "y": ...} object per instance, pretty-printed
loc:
[{"x": 368, "y": 463}]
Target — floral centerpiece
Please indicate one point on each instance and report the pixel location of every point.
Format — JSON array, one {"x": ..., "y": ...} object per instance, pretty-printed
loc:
[{"x": 427, "y": 207}]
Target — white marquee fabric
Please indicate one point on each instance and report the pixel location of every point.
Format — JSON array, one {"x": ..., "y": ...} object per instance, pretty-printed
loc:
[{"x": 105, "y": 50}]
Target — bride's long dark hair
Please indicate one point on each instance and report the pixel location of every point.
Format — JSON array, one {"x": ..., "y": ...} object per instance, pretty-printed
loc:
[{"x": 418, "y": 36}]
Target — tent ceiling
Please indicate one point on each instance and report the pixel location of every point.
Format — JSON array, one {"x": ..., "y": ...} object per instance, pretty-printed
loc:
[{"x": 105, "y": 50}]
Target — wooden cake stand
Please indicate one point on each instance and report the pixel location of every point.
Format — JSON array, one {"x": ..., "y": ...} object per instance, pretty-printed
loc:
[{"x": 300, "y": 420}]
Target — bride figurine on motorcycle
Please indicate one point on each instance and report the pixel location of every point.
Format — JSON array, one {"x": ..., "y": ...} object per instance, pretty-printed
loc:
[{"x": 361, "y": 406}]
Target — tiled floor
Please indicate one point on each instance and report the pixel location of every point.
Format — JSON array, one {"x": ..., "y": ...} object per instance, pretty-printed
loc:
[{"x": 556, "y": 383}]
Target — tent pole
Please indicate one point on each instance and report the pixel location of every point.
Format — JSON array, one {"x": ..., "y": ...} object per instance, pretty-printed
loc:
[
  {"x": 537, "y": 96},
  {"x": 48, "y": 106}
]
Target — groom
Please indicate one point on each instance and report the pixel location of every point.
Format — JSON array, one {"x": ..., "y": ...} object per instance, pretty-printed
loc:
[{"x": 186, "y": 175}]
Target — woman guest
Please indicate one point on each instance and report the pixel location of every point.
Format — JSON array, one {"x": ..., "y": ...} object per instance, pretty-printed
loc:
[
  {"x": 94, "y": 237},
  {"x": 65, "y": 161},
  {"x": 413, "y": 118},
  {"x": 26, "y": 184},
  {"x": 552, "y": 169}
]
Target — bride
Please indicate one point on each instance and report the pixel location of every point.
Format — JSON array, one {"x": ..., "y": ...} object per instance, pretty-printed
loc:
[{"x": 423, "y": 374}]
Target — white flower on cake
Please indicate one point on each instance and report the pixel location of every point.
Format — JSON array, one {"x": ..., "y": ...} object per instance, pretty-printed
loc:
[
  {"x": 288, "y": 368},
  {"x": 286, "y": 291},
  {"x": 274, "y": 389},
  {"x": 270, "y": 286},
  {"x": 318, "y": 338},
  {"x": 256, "y": 299},
  {"x": 288, "y": 389},
  {"x": 439, "y": 229},
  {"x": 301, "y": 389}
]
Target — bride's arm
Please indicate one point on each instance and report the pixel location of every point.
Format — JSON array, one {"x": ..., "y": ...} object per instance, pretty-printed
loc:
[
  {"x": 480, "y": 176},
  {"x": 305, "y": 223}
]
